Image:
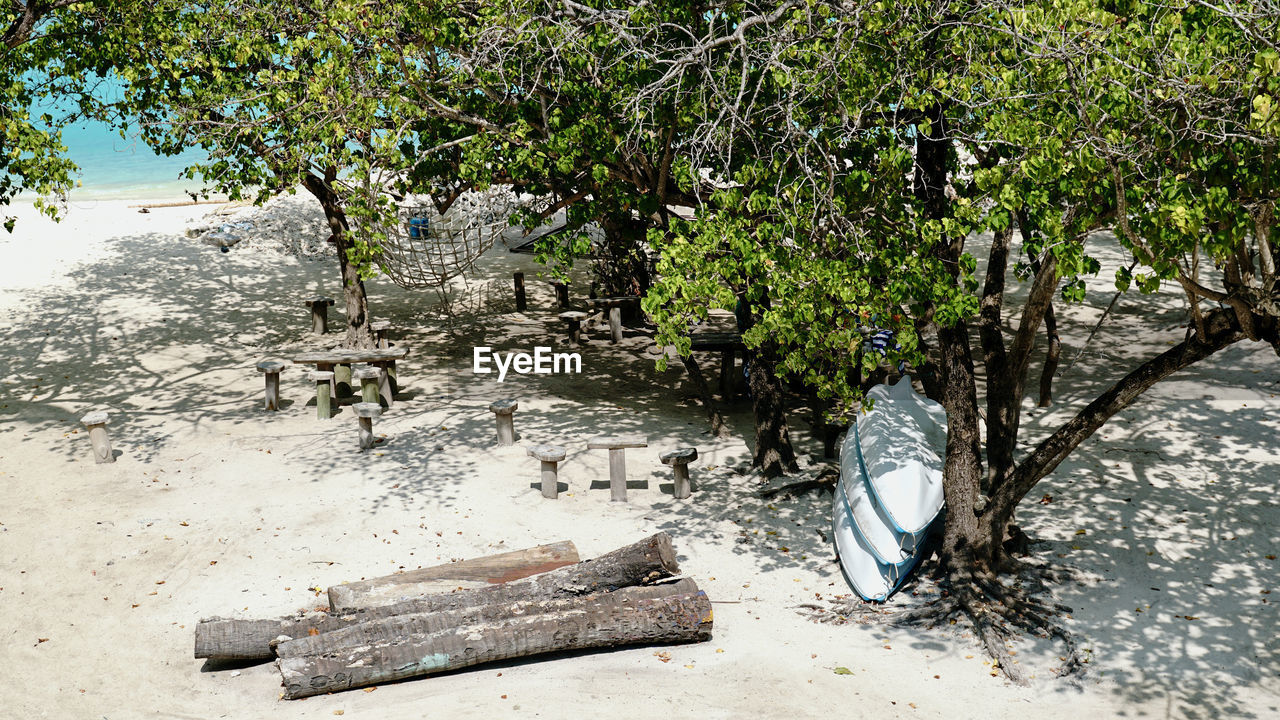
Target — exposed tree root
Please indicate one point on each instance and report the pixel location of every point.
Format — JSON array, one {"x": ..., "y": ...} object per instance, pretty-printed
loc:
[
  {"x": 825, "y": 480},
  {"x": 996, "y": 612}
]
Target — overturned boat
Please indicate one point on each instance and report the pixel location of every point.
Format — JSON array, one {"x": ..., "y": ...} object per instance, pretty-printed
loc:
[{"x": 890, "y": 492}]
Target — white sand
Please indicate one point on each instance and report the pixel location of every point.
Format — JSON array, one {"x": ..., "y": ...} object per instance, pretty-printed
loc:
[{"x": 216, "y": 507}]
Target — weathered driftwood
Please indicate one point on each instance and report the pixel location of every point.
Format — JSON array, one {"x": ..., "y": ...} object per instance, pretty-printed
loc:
[
  {"x": 645, "y": 562},
  {"x": 398, "y": 627},
  {"x": 488, "y": 570},
  {"x": 602, "y": 621}
]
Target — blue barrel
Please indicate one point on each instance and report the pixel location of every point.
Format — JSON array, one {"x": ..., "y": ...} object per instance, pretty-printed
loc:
[{"x": 418, "y": 227}]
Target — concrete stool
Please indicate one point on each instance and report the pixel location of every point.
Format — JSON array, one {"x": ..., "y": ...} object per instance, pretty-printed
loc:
[
  {"x": 319, "y": 313},
  {"x": 612, "y": 308},
  {"x": 617, "y": 461},
  {"x": 679, "y": 461},
  {"x": 574, "y": 318},
  {"x": 96, "y": 422},
  {"x": 365, "y": 413},
  {"x": 368, "y": 377},
  {"x": 271, "y": 369},
  {"x": 380, "y": 329},
  {"x": 550, "y": 455},
  {"x": 504, "y": 411},
  {"x": 342, "y": 380},
  {"x": 387, "y": 385},
  {"x": 324, "y": 385},
  {"x": 562, "y": 294}
]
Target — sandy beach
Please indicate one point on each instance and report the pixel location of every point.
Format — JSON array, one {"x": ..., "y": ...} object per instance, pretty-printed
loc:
[{"x": 1165, "y": 525}]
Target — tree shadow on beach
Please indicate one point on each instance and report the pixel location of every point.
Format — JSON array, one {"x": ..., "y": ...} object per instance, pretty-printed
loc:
[{"x": 1173, "y": 573}]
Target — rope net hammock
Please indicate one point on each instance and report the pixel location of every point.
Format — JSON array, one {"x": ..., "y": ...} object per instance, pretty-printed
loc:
[{"x": 425, "y": 249}]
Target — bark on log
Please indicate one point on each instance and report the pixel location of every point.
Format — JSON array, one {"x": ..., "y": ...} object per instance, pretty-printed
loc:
[
  {"x": 489, "y": 570},
  {"x": 389, "y": 631},
  {"x": 600, "y": 622},
  {"x": 644, "y": 562}
]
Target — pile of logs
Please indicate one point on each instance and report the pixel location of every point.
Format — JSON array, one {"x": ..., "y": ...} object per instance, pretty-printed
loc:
[{"x": 443, "y": 618}]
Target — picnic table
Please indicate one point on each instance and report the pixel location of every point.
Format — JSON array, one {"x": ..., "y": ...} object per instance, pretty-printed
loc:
[
  {"x": 728, "y": 344},
  {"x": 337, "y": 360}
]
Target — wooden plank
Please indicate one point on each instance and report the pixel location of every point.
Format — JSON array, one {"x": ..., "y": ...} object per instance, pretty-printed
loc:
[
  {"x": 346, "y": 357},
  {"x": 716, "y": 341},
  {"x": 491, "y": 569},
  {"x": 645, "y": 562},
  {"x": 597, "y": 621}
]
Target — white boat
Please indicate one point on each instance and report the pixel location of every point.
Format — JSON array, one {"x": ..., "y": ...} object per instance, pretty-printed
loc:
[
  {"x": 864, "y": 573},
  {"x": 899, "y": 447},
  {"x": 890, "y": 545},
  {"x": 890, "y": 490}
]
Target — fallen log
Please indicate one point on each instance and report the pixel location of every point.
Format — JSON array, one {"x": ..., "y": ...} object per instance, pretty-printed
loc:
[
  {"x": 603, "y": 620},
  {"x": 476, "y": 572},
  {"x": 395, "y": 628},
  {"x": 644, "y": 562}
]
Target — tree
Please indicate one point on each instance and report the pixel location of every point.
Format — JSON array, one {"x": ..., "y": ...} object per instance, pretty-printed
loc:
[
  {"x": 279, "y": 95},
  {"x": 38, "y": 39},
  {"x": 552, "y": 94},
  {"x": 860, "y": 148}
]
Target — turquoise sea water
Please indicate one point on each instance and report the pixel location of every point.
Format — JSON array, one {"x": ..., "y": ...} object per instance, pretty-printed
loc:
[{"x": 112, "y": 167}]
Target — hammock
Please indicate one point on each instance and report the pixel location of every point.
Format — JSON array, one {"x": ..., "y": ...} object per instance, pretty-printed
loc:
[{"x": 425, "y": 249}]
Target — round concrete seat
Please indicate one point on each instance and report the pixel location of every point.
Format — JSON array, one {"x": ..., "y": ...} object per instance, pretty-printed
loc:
[
  {"x": 547, "y": 453},
  {"x": 271, "y": 371},
  {"x": 550, "y": 456},
  {"x": 365, "y": 413},
  {"x": 503, "y": 411},
  {"x": 679, "y": 460}
]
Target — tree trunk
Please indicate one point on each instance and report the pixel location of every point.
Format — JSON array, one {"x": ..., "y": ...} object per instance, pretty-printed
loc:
[
  {"x": 647, "y": 561},
  {"x": 967, "y": 543},
  {"x": 623, "y": 270},
  {"x": 359, "y": 334},
  {"x": 397, "y": 627},
  {"x": 1051, "y": 357},
  {"x": 965, "y": 539},
  {"x": 598, "y": 622},
  {"x": 774, "y": 455},
  {"x": 491, "y": 569},
  {"x": 718, "y": 426}
]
